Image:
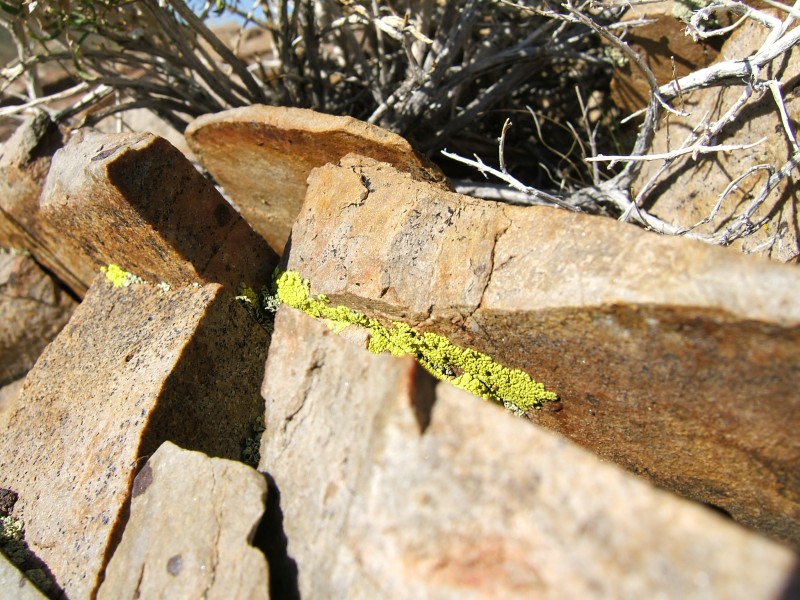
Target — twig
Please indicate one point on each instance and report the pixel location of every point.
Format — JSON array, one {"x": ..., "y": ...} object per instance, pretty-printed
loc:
[
  {"x": 485, "y": 169},
  {"x": 694, "y": 150}
]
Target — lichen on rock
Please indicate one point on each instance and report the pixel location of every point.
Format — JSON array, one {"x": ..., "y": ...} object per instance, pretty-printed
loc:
[
  {"x": 120, "y": 277},
  {"x": 465, "y": 368}
]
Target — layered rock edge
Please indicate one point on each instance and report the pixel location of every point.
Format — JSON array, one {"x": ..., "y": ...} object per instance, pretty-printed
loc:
[{"x": 671, "y": 358}]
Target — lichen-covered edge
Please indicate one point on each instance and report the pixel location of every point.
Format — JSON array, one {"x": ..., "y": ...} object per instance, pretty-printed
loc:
[{"x": 465, "y": 368}]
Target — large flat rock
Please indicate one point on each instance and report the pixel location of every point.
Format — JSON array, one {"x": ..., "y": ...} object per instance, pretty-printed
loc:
[
  {"x": 674, "y": 359},
  {"x": 392, "y": 486},
  {"x": 135, "y": 200},
  {"x": 133, "y": 367},
  {"x": 192, "y": 518},
  {"x": 262, "y": 155}
]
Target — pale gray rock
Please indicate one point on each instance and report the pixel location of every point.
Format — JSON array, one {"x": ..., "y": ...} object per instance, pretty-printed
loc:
[
  {"x": 133, "y": 367},
  {"x": 13, "y": 584},
  {"x": 33, "y": 309},
  {"x": 675, "y": 359},
  {"x": 192, "y": 518},
  {"x": 392, "y": 486},
  {"x": 9, "y": 393}
]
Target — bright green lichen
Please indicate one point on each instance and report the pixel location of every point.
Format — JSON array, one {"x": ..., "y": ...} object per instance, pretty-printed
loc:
[
  {"x": 119, "y": 277},
  {"x": 463, "y": 367}
]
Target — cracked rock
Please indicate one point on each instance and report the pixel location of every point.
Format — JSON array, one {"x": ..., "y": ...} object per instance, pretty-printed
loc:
[
  {"x": 675, "y": 359},
  {"x": 134, "y": 366},
  {"x": 262, "y": 155},
  {"x": 33, "y": 309},
  {"x": 394, "y": 486},
  {"x": 192, "y": 521}
]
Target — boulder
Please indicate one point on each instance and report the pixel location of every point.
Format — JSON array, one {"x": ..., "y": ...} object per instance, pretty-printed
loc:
[
  {"x": 135, "y": 200},
  {"x": 673, "y": 358},
  {"x": 33, "y": 309},
  {"x": 394, "y": 486},
  {"x": 192, "y": 519},
  {"x": 133, "y": 367},
  {"x": 262, "y": 155}
]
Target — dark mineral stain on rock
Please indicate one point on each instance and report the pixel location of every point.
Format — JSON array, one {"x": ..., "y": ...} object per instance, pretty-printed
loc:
[
  {"x": 142, "y": 481},
  {"x": 174, "y": 565},
  {"x": 223, "y": 214}
]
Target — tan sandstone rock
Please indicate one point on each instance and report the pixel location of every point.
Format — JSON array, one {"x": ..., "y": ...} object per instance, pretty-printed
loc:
[
  {"x": 135, "y": 200},
  {"x": 133, "y": 367},
  {"x": 25, "y": 159},
  {"x": 392, "y": 486},
  {"x": 675, "y": 359},
  {"x": 33, "y": 309},
  {"x": 191, "y": 520},
  {"x": 262, "y": 155}
]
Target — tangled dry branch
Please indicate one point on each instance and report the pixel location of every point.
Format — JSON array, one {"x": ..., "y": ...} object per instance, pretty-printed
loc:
[{"x": 444, "y": 74}]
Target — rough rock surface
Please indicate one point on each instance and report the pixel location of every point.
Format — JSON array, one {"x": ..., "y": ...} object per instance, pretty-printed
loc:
[
  {"x": 13, "y": 584},
  {"x": 187, "y": 537},
  {"x": 25, "y": 159},
  {"x": 107, "y": 195},
  {"x": 673, "y": 358},
  {"x": 33, "y": 309},
  {"x": 262, "y": 155},
  {"x": 394, "y": 487},
  {"x": 9, "y": 393},
  {"x": 133, "y": 367},
  {"x": 689, "y": 193}
]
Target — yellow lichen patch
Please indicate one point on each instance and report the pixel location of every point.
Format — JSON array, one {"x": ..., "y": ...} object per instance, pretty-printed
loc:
[
  {"x": 119, "y": 277},
  {"x": 468, "y": 369}
]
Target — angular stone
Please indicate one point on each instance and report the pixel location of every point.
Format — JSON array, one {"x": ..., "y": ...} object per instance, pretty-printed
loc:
[
  {"x": 135, "y": 200},
  {"x": 15, "y": 585},
  {"x": 675, "y": 359},
  {"x": 688, "y": 192},
  {"x": 33, "y": 309},
  {"x": 133, "y": 367},
  {"x": 25, "y": 159},
  {"x": 665, "y": 48},
  {"x": 262, "y": 155},
  {"x": 393, "y": 486},
  {"x": 192, "y": 518}
]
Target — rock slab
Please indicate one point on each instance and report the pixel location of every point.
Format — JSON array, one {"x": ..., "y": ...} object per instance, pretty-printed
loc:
[
  {"x": 133, "y": 367},
  {"x": 392, "y": 486},
  {"x": 262, "y": 155},
  {"x": 135, "y": 200},
  {"x": 192, "y": 518},
  {"x": 674, "y": 359}
]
